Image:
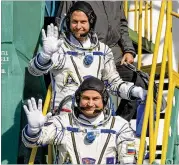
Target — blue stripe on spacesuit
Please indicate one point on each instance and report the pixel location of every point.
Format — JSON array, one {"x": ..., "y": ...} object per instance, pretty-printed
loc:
[
  {"x": 98, "y": 53},
  {"x": 41, "y": 67},
  {"x": 129, "y": 92},
  {"x": 73, "y": 53},
  {"x": 59, "y": 134},
  {"x": 28, "y": 136},
  {"x": 72, "y": 129},
  {"x": 118, "y": 89},
  {"x": 108, "y": 131},
  {"x": 29, "y": 139},
  {"x": 27, "y": 142}
]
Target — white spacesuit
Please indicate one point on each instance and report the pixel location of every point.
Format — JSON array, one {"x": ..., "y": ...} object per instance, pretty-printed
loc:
[
  {"x": 80, "y": 139},
  {"x": 71, "y": 142},
  {"x": 102, "y": 139},
  {"x": 72, "y": 62}
]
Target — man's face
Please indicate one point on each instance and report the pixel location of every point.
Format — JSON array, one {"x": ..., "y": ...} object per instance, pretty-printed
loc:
[
  {"x": 90, "y": 102},
  {"x": 79, "y": 24}
]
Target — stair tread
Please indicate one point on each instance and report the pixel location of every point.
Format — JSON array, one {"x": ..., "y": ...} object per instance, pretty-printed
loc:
[{"x": 148, "y": 46}]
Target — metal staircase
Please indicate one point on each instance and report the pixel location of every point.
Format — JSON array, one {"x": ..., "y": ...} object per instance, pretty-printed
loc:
[{"x": 163, "y": 135}]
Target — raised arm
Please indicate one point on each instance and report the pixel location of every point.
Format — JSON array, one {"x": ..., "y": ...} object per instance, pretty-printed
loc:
[
  {"x": 43, "y": 62},
  {"x": 40, "y": 130}
]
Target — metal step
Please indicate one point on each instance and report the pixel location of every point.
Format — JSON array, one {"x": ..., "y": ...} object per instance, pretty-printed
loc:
[
  {"x": 159, "y": 140},
  {"x": 147, "y": 46}
]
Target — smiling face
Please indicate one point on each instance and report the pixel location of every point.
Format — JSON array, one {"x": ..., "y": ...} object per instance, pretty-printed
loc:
[
  {"x": 79, "y": 24},
  {"x": 90, "y": 101}
]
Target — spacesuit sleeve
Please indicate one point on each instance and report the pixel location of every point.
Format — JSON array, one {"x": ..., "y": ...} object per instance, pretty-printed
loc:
[
  {"x": 126, "y": 145},
  {"x": 37, "y": 68},
  {"x": 112, "y": 79},
  {"x": 51, "y": 133}
]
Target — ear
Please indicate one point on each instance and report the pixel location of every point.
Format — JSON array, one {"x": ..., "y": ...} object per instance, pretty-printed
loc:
[
  {"x": 105, "y": 97},
  {"x": 77, "y": 98}
]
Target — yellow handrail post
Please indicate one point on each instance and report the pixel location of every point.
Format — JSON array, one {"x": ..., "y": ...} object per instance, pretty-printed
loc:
[
  {"x": 162, "y": 76},
  {"x": 146, "y": 20},
  {"x": 171, "y": 88},
  {"x": 135, "y": 15},
  {"x": 151, "y": 130},
  {"x": 140, "y": 36},
  {"x": 32, "y": 156},
  {"x": 175, "y": 14},
  {"x": 50, "y": 153},
  {"x": 143, "y": 9},
  {"x": 126, "y": 8},
  {"x": 45, "y": 109},
  {"x": 167, "y": 121},
  {"x": 151, "y": 9},
  {"x": 151, "y": 82}
]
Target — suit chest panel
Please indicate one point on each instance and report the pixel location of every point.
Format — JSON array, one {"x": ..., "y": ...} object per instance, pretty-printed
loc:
[
  {"x": 91, "y": 150},
  {"x": 74, "y": 68}
]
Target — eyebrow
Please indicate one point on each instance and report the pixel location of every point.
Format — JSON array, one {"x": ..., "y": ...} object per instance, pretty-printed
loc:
[
  {"x": 79, "y": 20},
  {"x": 89, "y": 96}
]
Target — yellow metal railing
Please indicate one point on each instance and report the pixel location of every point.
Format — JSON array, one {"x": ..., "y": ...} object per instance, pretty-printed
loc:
[
  {"x": 173, "y": 76},
  {"x": 150, "y": 94},
  {"x": 151, "y": 9},
  {"x": 138, "y": 9},
  {"x": 167, "y": 52},
  {"x": 126, "y": 8},
  {"x": 146, "y": 20},
  {"x": 45, "y": 109},
  {"x": 171, "y": 85},
  {"x": 140, "y": 35},
  {"x": 135, "y": 16}
]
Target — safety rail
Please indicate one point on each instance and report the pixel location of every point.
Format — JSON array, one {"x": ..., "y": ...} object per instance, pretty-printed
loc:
[
  {"x": 172, "y": 76},
  {"x": 138, "y": 9},
  {"x": 45, "y": 110}
]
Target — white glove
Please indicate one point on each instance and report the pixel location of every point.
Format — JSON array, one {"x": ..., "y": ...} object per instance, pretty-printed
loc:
[
  {"x": 34, "y": 116},
  {"x": 139, "y": 92},
  {"x": 51, "y": 43}
]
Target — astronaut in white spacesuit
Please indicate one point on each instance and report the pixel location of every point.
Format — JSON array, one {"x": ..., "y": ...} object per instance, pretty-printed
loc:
[
  {"x": 76, "y": 55},
  {"x": 88, "y": 135}
]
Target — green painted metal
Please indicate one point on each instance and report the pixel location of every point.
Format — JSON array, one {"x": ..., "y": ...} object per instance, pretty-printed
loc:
[
  {"x": 7, "y": 32},
  {"x": 148, "y": 46},
  {"x": 11, "y": 85},
  {"x": 176, "y": 147},
  {"x": 173, "y": 150},
  {"x": 21, "y": 25}
]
